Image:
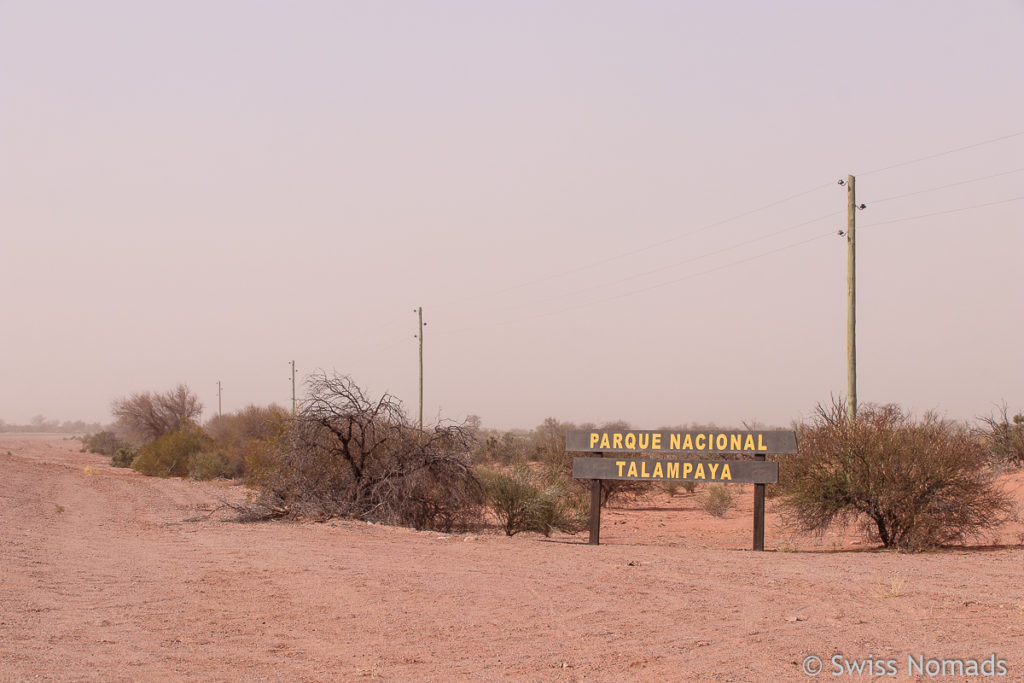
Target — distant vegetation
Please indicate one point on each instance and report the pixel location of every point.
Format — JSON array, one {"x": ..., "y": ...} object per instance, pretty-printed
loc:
[
  {"x": 908, "y": 484},
  {"x": 40, "y": 424},
  {"x": 157, "y": 434}
]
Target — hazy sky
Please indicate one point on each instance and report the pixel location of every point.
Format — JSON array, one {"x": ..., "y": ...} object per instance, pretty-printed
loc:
[{"x": 203, "y": 191}]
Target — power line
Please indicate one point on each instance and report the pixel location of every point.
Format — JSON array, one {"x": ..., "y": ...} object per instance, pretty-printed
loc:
[
  {"x": 942, "y": 187},
  {"x": 941, "y": 154},
  {"x": 942, "y": 213},
  {"x": 653, "y": 245},
  {"x": 725, "y": 266},
  {"x": 705, "y": 255},
  {"x": 645, "y": 289}
]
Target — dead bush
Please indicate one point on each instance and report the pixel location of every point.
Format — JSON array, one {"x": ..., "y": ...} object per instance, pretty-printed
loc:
[
  {"x": 910, "y": 484},
  {"x": 346, "y": 454}
]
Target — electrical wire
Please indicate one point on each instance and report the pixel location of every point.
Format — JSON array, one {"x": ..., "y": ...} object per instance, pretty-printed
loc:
[
  {"x": 705, "y": 255},
  {"x": 942, "y": 213},
  {"x": 648, "y": 247},
  {"x": 941, "y": 154},
  {"x": 942, "y": 187},
  {"x": 725, "y": 266},
  {"x": 634, "y": 292}
]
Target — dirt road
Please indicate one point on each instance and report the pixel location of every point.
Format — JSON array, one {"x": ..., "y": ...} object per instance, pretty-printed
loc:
[{"x": 108, "y": 575}]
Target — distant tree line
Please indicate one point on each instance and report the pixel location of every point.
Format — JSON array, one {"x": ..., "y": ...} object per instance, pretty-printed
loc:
[{"x": 40, "y": 424}]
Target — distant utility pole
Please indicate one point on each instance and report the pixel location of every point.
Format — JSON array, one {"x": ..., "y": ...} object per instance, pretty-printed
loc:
[
  {"x": 851, "y": 295},
  {"x": 218, "y": 398},
  {"x": 293, "y": 388},
  {"x": 419, "y": 336}
]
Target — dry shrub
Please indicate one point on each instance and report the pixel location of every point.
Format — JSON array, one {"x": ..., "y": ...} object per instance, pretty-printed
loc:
[
  {"x": 1004, "y": 436},
  {"x": 717, "y": 500},
  {"x": 911, "y": 484},
  {"x": 348, "y": 455}
]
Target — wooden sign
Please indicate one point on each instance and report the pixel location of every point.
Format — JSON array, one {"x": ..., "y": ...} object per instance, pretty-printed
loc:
[
  {"x": 705, "y": 441},
  {"x": 651, "y": 469},
  {"x": 755, "y": 443}
]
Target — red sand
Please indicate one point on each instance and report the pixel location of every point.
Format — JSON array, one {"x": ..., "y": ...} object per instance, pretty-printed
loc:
[{"x": 109, "y": 575}]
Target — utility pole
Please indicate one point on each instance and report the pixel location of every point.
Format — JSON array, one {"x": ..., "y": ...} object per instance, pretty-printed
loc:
[
  {"x": 293, "y": 388},
  {"x": 851, "y": 298},
  {"x": 419, "y": 336},
  {"x": 851, "y": 295},
  {"x": 218, "y": 398}
]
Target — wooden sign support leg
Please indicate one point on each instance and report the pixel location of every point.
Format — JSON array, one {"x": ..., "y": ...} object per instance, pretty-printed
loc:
[
  {"x": 759, "y": 511},
  {"x": 595, "y": 512}
]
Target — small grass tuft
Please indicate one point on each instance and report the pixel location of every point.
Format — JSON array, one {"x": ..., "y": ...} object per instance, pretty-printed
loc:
[
  {"x": 893, "y": 587},
  {"x": 717, "y": 501}
]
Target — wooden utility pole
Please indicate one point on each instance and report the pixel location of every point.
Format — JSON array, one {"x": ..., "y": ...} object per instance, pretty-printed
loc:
[
  {"x": 293, "y": 388},
  {"x": 419, "y": 336},
  {"x": 851, "y": 298},
  {"x": 218, "y": 398}
]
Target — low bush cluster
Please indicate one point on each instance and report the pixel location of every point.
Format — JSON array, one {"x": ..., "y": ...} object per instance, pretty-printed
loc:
[
  {"x": 105, "y": 443},
  {"x": 124, "y": 457}
]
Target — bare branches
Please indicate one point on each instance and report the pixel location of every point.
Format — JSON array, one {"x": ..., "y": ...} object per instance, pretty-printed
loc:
[
  {"x": 147, "y": 416},
  {"x": 350, "y": 455}
]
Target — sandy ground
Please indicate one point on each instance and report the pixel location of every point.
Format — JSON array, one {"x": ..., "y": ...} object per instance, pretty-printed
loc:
[{"x": 108, "y": 575}]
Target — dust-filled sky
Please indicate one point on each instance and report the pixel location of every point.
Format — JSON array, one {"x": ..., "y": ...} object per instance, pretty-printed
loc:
[{"x": 607, "y": 210}]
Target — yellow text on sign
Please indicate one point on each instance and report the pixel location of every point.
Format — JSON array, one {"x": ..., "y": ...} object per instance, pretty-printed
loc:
[
  {"x": 638, "y": 469},
  {"x": 710, "y": 441}
]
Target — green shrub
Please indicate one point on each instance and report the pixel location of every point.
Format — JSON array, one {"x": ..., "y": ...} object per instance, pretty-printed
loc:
[
  {"x": 509, "y": 496},
  {"x": 210, "y": 465},
  {"x": 671, "y": 487},
  {"x": 717, "y": 500},
  {"x": 689, "y": 486},
  {"x": 168, "y": 455},
  {"x": 123, "y": 457},
  {"x": 103, "y": 443},
  {"x": 243, "y": 436},
  {"x": 910, "y": 484},
  {"x": 528, "y": 501}
]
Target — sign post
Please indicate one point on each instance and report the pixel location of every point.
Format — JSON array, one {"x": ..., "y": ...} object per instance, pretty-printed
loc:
[{"x": 646, "y": 444}]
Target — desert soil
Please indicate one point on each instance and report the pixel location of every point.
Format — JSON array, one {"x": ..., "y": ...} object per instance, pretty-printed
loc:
[{"x": 109, "y": 575}]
